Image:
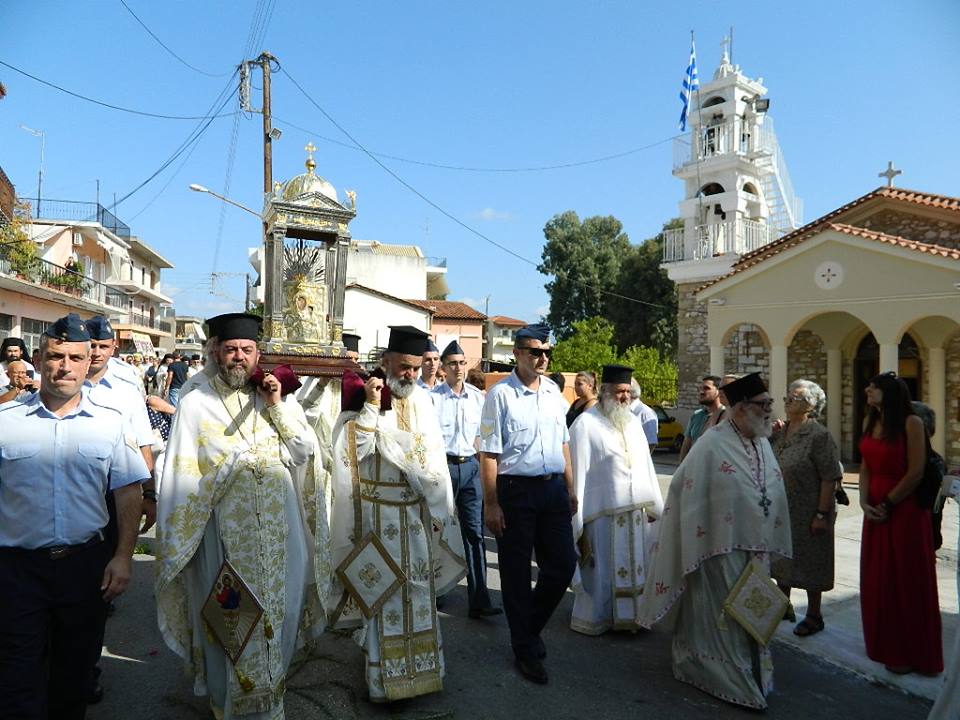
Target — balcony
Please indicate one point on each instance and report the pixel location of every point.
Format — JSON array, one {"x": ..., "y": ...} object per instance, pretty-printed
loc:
[
  {"x": 76, "y": 211},
  {"x": 63, "y": 280},
  {"x": 738, "y": 236},
  {"x": 144, "y": 321},
  {"x": 734, "y": 138}
]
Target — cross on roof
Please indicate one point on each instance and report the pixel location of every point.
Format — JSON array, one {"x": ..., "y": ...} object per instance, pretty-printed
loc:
[
  {"x": 310, "y": 148},
  {"x": 890, "y": 173}
]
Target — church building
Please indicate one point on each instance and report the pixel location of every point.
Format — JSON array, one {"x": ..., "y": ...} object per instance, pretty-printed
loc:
[{"x": 869, "y": 287}]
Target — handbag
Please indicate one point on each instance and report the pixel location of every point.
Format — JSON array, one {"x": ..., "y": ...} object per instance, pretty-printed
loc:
[{"x": 840, "y": 495}]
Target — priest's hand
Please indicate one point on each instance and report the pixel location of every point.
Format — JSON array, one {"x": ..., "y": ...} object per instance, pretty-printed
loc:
[
  {"x": 269, "y": 390},
  {"x": 372, "y": 388},
  {"x": 493, "y": 518}
]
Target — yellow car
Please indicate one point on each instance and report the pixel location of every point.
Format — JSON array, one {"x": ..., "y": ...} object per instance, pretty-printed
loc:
[{"x": 669, "y": 432}]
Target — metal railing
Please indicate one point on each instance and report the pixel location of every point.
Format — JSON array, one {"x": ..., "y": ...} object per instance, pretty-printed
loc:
[
  {"x": 48, "y": 209},
  {"x": 706, "y": 241},
  {"x": 143, "y": 320},
  {"x": 439, "y": 262},
  {"x": 56, "y": 277}
]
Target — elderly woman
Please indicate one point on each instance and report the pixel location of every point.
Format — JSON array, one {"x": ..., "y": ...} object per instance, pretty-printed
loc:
[{"x": 810, "y": 462}]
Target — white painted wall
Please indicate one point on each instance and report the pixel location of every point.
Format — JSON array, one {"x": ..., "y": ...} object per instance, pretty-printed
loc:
[
  {"x": 370, "y": 317},
  {"x": 397, "y": 275}
]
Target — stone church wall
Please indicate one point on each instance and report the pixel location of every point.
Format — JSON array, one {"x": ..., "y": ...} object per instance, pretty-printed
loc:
[
  {"x": 915, "y": 227},
  {"x": 746, "y": 352},
  {"x": 807, "y": 360},
  {"x": 693, "y": 350},
  {"x": 847, "y": 420},
  {"x": 951, "y": 423}
]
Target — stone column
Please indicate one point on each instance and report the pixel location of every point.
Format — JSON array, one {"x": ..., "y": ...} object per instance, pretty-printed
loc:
[
  {"x": 937, "y": 396},
  {"x": 889, "y": 357},
  {"x": 834, "y": 391},
  {"x": 778, "y": 377},
  {"x": 716, "y": 360}
]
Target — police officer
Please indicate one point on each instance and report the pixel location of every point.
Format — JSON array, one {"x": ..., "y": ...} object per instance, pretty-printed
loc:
[
  {"x": 528, "y": 494},
  {"x": 57, "y": 451},
  {"x": 458, "y": 408},
  {"x": 428, "y": 379}
]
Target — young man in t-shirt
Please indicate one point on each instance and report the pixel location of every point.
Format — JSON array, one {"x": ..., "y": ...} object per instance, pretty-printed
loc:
[{"x": 177, "y": 373}]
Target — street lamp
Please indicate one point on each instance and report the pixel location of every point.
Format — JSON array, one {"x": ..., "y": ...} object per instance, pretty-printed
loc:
[
  {"x": 200, "y": 188},
  {"x": 39, "y": 134}
]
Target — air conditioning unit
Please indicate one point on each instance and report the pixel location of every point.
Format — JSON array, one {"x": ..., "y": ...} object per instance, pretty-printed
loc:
[{"x": 77, "y": 239}]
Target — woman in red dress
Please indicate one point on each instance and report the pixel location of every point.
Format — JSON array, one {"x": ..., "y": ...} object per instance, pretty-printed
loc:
[{"x": 898, "y": 581}]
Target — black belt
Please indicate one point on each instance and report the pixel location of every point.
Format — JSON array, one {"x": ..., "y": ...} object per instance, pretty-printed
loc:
[
  {"x": 459, "y": 459},
  {"x": 542, "y": 478},
  {"x": 59, "y": 552}
]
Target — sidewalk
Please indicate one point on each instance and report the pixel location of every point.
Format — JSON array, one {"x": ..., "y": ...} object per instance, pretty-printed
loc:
[{"x": 841, "y": 642}]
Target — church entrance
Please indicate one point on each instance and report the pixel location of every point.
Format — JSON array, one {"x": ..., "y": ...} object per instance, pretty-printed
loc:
[{"x": 866, "y": 365}]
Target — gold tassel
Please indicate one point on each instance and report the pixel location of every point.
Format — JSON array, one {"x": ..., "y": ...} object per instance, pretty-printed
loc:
[
  {"x": 246, "y": 684},
  {"x": 267, "y": 629}
]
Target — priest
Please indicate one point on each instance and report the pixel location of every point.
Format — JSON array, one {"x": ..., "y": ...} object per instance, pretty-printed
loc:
[
  {"x": 620, "y": 501},
  {"x": 240, "y": 485},
  {"x": 726, "y": 508},
  {"x": 393, "y": 510}
]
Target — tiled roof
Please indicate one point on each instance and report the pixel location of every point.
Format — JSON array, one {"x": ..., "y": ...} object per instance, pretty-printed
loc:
[
  {"x": 379, "y": 248},
  {"x": 386, "y": 296},
  {"x": 504, "y": 320},
  {"x": 920, "y": 198},
  {"x": 449, "y": 310},
  {"x": 797, "y": 237}
]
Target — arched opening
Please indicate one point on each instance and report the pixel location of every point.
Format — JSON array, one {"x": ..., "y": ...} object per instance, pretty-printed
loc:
[
  {"x": 715, "y": 100},
  {"x": 711, "y": 189},
  {"x": 749, "y": 187},
  {"x": 866, "y": 364}
]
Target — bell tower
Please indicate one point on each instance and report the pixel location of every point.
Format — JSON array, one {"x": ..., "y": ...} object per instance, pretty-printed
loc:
[{"x": 737, "y": 197}]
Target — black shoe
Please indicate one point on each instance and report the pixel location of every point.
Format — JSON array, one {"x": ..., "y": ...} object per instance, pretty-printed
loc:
[
  {"x": 532, "y": 669},
  {"x": 539, "y": 649},
  {"x": 484, "y": 612},
  {"x": 95, "y": 693}
]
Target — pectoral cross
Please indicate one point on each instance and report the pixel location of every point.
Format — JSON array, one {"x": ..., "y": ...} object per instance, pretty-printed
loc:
[
  {"x": 765, "y": 503},
  {"x": 890, "y": 173}
]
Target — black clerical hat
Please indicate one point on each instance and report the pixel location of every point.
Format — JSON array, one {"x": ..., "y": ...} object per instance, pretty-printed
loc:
[
  {"x": 452, "y": 349},
  {"x": 537, "y": 331},
  {"x": 744, "y": 388},
  {"x": 100, "y": 328},
  {"x": 407, "y": 340},
  {"x": 69, "y": 328},
  {"x": 235, "y": 326},
  {"x": 351, "y": 342},
  {"x": 616, "y": 374}
]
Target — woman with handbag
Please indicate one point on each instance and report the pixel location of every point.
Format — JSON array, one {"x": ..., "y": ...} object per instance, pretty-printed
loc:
[
  {"x": 898, "y": 583},
  {"x": 810, "y": 463}
]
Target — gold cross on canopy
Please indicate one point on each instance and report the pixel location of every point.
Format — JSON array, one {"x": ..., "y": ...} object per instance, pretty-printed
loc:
[
  {"x": 890, "y": 173},
  {"x": 311, "y": 163}
]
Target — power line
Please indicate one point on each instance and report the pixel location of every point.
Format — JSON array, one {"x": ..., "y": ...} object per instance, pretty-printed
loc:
[
  {"x": 165, "y": 47},
  {"x": 132, "y": 111},
  {"x": 475, "y": 169},
  {"x": 441, "y": 210}
]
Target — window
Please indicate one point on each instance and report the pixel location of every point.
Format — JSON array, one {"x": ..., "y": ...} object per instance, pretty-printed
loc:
[
  {"x": 31, "y": 330},
  {"x": 6, "y": 326}
]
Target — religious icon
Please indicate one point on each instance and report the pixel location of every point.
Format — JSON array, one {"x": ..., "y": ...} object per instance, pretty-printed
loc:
[{"x": 231, "y": 611}]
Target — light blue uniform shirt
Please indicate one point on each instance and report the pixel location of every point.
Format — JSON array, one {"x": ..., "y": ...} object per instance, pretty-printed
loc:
[
  {"x": 54, "y": 471},
  {"x": 526, "y": 428},
  {"x": 115, "y": 392},
  {"x": 459, "y": 417}
]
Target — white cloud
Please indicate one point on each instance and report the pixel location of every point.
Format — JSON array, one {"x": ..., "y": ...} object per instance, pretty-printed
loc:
[
  {"x": 540, "y": 312},
  {"x": 472, "y": 302},
  {"x": 491, "y": 215}
]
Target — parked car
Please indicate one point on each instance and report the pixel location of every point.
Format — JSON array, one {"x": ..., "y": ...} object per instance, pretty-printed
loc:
[{"x": 670, "y": 432}]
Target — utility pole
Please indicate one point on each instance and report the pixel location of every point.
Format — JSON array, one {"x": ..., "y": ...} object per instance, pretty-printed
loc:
[{"x": 264, "y": 60}]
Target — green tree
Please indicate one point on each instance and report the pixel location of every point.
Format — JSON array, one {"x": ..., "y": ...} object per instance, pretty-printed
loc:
[
  {"x": 584, "y": 259},
  {"x": 589, "y": 346},
  {"x": 640, "y": 277}
]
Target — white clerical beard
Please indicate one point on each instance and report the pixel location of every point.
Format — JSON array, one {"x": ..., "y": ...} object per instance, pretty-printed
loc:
[
  {"x": 618, "y": 414},
  {"x": 759, "y": 426},
  {"x": 400, "y": 388}
]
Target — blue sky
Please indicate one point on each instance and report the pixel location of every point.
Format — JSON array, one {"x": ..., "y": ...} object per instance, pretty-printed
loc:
[{"x": 489, "y": 85}]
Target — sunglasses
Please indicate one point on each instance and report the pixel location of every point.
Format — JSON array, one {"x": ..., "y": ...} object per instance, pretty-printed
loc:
[
  {"x": 765, "y": 404},
  {"x": 540, "y": 352}
]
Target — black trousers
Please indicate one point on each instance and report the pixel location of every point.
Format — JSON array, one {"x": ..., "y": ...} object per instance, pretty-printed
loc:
[
  {"x": 537, "y": 513},
  {"x": 51, "y": 612}
]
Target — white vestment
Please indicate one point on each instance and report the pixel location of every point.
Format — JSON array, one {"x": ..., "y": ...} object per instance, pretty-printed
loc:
[
  {"x": 726, "y": 505},
  {"x": 619, "y": 498},
  {"x": 391, "y": 479},
  {"x": 241, "y": 483}
]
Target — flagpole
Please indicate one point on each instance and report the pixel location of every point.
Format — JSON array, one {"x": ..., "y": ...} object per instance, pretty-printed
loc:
[{"x": 696, "y": 141}]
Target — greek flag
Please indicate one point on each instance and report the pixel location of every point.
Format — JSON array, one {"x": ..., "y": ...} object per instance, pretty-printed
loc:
[{"x": 690, "y": 83}]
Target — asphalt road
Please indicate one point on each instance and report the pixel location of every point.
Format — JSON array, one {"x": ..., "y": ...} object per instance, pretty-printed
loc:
[{"x": 609, "y": 677}]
